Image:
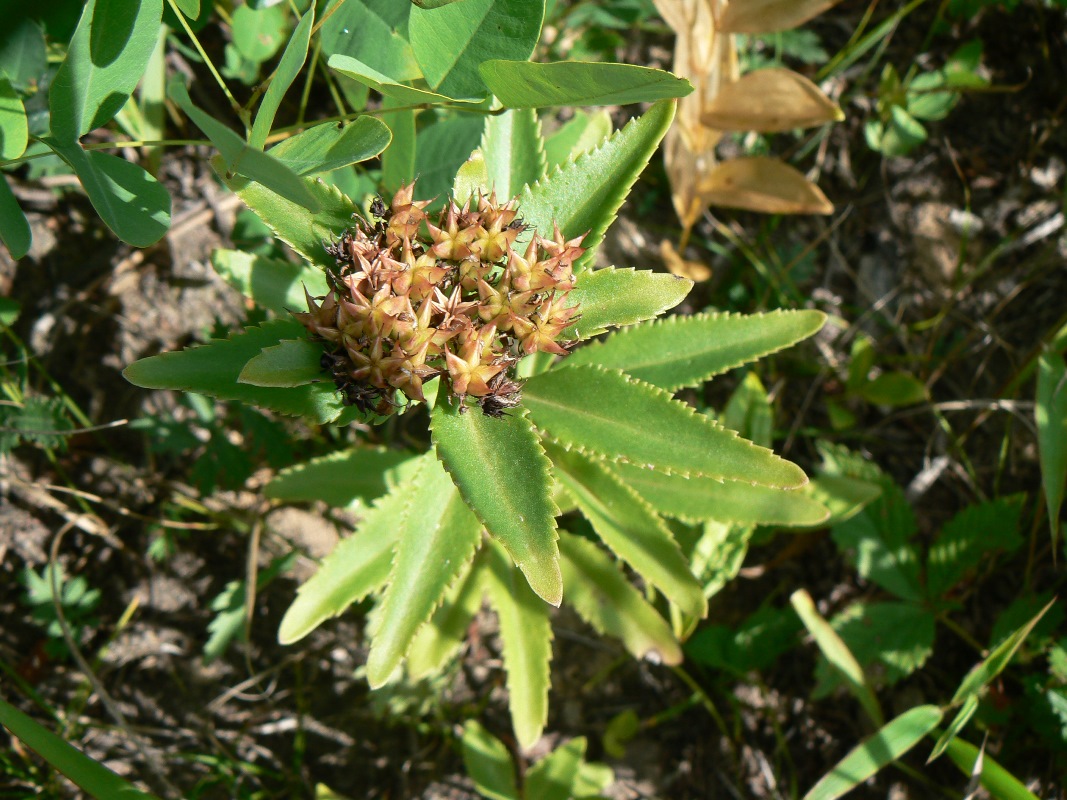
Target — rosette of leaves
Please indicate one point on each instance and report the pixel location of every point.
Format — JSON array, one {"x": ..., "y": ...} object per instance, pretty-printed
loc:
[{"x": 483, "y": 513}]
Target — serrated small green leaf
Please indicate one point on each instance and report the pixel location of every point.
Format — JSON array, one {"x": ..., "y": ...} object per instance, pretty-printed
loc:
[
  {"x": 14, "y": 227},
  {"x": 525, "y": 84},
  {"x": 630, "y": 528},
  {"x": 452, "y": 41},
  {"x": 273, "y": 284},
  {"x": 288, "y": 68},
  {"x": 553, "y": 777},
  {"x": 991, "y": 666},
  {"x": 513, "y": 151},
  {"x": 437, "y": 641},
  {"x": 502, "y": 473},
  {"x": 842, "y": 495},
  {"x": 386, "y": 86},
  {"x": 892, "y": 741},
  {"x": 242, "y": 159},
  {"x": 436, "y": 543},
  {"x": 488, "y": 763},
  {"x": 608, "y": 413},
  {"x": 688, "y": 350},
  {"x": 719, "y": 553},
  {"x": 358, "y": 566},
  {"x": 698, "y": 498},
  {"x": 998, "y": 781},
  {"x": 212, "y": 369},
  {"x": 604, "y": 598},
  {"x": 526, "y": 636},
  {"x": 612, "y": 297},
  {"x": 291, "y": 362},
  {"x": 967, "y": 538},
  {"x": 583, "y": 196},
  {"x": 584, "y": 131},
  {"x": 105, "y": 59},
  {"x": 91, "y": 776},
  {"x": 301, "y": 229},
  {"x": 331, "y": 146},
  {"x": 1050, "y": 413},
  {"x": 342, "y": 478},
  {"x": 970, "y": 705}
]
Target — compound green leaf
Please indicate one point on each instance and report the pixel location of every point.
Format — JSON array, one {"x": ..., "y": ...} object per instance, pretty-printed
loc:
[
  {"x": 553, "y": 777},
  {"x": 1051, "y": 415},
  {"x": 451, "y": 42},
  {"x": 584, "y": 131},
  {"x": 343, "y": 478},
  {"x": 526, "y": 636},
  {"x": 358, "y": 566},
  {"x": 892, "y": 741},
  {"x": 288, "y": 68},
  {"x": 583, "y": 196},
  {"x": 630, "y": 528},
  {"x": 604, "y": 598},
  {"x": 967, "y": 538},
  {"x": 513, "y": 151},
  {"x": 437, "y": 641},
  {"x": 273, "y": 284},
  {"x": 91, "y": 776},
  {"x": 436, "y": 543},
  {"x": 330, "y": 146},
  {"x": 613, "y": 297},
  {"x": 998, "y": 781},
  {"x": 502, "y": 473},
  {"x": 843, "y": 495},
  {"x": 698, "y": 498},
  {"x": 384, "y": 85},
  {"x": 525, "y": 84},
  {"x": 14, "y": 131},
  {"x": 129, "y": 200},
  {"x": 488, "y": 763},
  {"x": 609, "y": 414},
  {"x": 106, "y": 58},
  {"x": 688, "y": 350},
  {"x": 14, "y": 227},
  {"x": 212, "y": 369},
  {"x": 374, "y": 32},
  {"x": 291, "y": 362},
  {"x": 304, "y": 231},
  {"x": 241, "y": 159}
]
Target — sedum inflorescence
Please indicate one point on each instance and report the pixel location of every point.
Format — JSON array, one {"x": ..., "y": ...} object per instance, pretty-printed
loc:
[{"x": 410, "y": 300}]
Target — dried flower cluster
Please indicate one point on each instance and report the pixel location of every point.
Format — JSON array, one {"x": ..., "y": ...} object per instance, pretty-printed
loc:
[{"x": 410, "y": 300}]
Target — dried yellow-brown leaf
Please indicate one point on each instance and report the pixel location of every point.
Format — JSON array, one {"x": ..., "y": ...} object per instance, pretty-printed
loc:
[
  {"x": 767, "y": 16},
  {"x": 770, "y": 100},
  {"x": 683, "y": 267},
  {"x": 762, "y": 184}
]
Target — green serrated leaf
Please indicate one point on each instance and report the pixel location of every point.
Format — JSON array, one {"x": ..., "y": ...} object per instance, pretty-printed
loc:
[
  {"x": 386, "y": 86},
  {"x": 488, "y": 763},
  {"x": 553, "y": 777},
  {"x": 331, "y": 146},
  {"x": 630, "y": 528},
  {"x": 342, "y": 478},
  {"x": 526, "y": 636},
  {"x": 91, "y": 776},
  {"x": 212, "y": 369},
  {"x": 273, "y": 284},
  {"x": 288, "y": 68},
  {"x": 843, "y": 496},
  {"x": 614, "y": 297},
  {"x": 105, "y": 60},
  {"x": 301, "y": 229},
  {"x": 719, "y": 553},
  {"x": 608, "y": 413},
  {"x": 437, "y": 641},
  {"x": 241, "y": 159},
  {"x": 1050, "y": 412},
  {"x": 14, "y": 227},
  {"x": 891, "y": 742},
  {"x": 129, "y": 200},
  {"x": 967, "y": 538},
  {"x": 513, "y": 151},
  {"x": 291, "y": 362},
  {"x": 604, "y": 598},
  {"x": 502, "y": 473},
  {"x": 525, "y": 84},
  {"x": 687, "y": 350},
  {"x": 698, "y": 498},
  {"x": 584, "y": 131},
  {"x": 451, "y": 42},
  {"x": 358, "y": 566},
  {"x": 583, "y": 196},
  {"x": 970, "y": 705},
  {"x": 436, "y": 543}
]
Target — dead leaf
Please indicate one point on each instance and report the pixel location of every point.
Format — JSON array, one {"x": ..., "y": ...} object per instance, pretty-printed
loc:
[
  {"x": 763, "y": 184},
  {"x": 676, "y": 265},
  {"x": 768, "y": 16},
  {"x": 770, "y": 100}
]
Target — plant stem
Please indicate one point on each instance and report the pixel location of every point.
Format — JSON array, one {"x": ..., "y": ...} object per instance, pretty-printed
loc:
[{"x": 242, "y": 113}]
